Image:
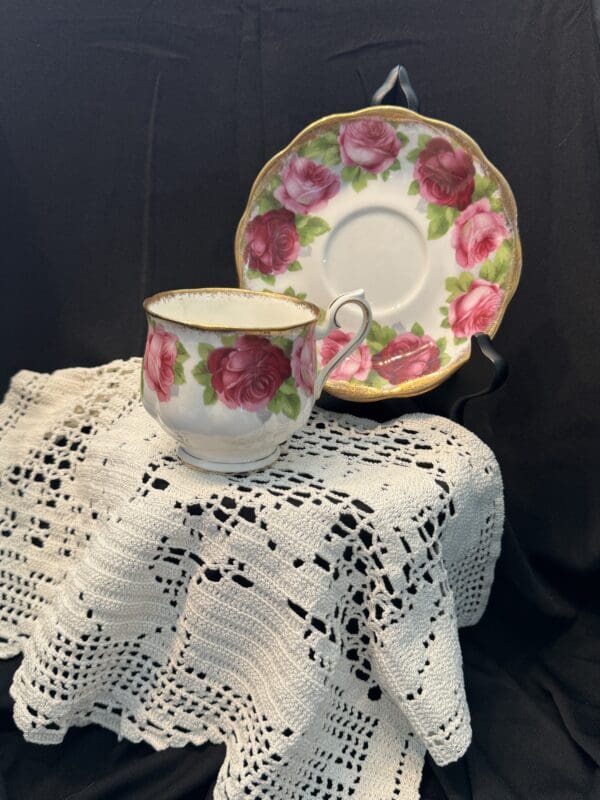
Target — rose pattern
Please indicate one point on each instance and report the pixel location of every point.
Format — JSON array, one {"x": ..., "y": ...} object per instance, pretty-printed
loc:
[
  {"x": 304, "y": 362},
  {"x": 248, "y": 374},
  {"x": 306, "y": 186},
  {"x": 357, "y": 365},
  {"x": 369, "y": 143},
  {"x": 160, "y": 355},
  {"x": 461, "y": 206},
  {"x": 475, "y": 310},
  {"x": 272, "y": 242},
  {"x": 446, "y": 175},
  {"x": 477, "y": 233},
  {"x": 407, "y": 356}
]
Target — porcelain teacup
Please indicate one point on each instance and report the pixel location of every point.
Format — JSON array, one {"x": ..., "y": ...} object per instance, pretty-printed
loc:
[{"x": 231, "y": 374}]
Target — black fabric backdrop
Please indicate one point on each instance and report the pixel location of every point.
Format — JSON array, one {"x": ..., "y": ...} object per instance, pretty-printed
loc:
[{"x": 130, "y": 133}]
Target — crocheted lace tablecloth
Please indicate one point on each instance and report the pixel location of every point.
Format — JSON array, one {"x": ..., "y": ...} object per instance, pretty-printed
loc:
[{"x": 306, "y": 615}]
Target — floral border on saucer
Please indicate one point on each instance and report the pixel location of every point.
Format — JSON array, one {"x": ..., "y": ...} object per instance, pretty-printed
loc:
[{"x": 461, "y": 202}]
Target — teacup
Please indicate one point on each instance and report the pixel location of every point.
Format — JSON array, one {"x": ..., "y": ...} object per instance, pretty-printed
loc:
[{"x": 231, "y": 374}]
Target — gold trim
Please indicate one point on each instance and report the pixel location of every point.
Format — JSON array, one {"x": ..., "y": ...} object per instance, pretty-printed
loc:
[
  {"x": 343, "y": 389},
  {"x": 314, "y": 310}
]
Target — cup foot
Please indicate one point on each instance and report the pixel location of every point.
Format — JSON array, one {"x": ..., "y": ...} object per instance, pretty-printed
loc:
[{"x": 204, "y": 465}]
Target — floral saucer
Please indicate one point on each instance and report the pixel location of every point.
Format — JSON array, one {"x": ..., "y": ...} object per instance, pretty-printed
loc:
[{"x": 407, "y": 208}]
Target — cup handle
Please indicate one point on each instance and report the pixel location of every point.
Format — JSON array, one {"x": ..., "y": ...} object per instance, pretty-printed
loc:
[{"x": 330, "y": 322}]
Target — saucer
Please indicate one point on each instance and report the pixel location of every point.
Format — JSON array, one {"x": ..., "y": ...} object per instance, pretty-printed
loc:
[{"x": 407, "y": 208}]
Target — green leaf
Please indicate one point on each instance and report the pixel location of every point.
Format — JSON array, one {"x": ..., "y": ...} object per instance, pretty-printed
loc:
[
  {"x": 441, "y": 343},
  {"x": 496, "y": 204},
  {"x": 503, "y": 255},
  {"x": 182, "y": 353},
  {"x": 385, "y": 175},
  {"x": 438, "y": 221},
  {"x": 291, "y": 293},
  {"x": 465, "y": 280},
  {"x": 374, "y": 347},
  {"x": 414, "y": 187},
  {"x": 331, "y": 156},
  {"x": 444, "y": 311},
  {"x": 330, "y": 137},
  {"x": 451, "y": 214},
  {"x": 209, "y": 396},
  {"x": 290, "y": 405},
  {"x": 266, "y": 202},
  {"x": 322, "y": 147},
  {"x": 444, "y": 323},
  {"x": 458, "y": 340},
  {"x": 295, "y": 266},
  {"x": 178, "y": 374},
  {"x": 395, "y": 165},
  {"x": 275, "y": 404},
  {"x": 253, "y": 274},
  {"x": 349, "y": 173},
  {"x": 374, "y": 379},
  {"x": 270, "y": 279},
  {"x": 288, "y": 386},
  {"x": 229, "y": 339},
  {"x": 283, "y": 343},
  {"x": 423, "y": 139},
  {"x": 151, "y": 322},
  {"x": 417, "y": 329},
  {"x": 402, "y": 138},
  {"x": 487, "y": 271},
  {"x": 370, "y": 176},
  {"x": 201, "y": 374},
  {"x": 380, "y": 334},
  {"x": 452, "y": 284},
  {"x": 309, "y": 228},
  {"x": 444, "y": 359},
  {"x": 205, "y": 350},
  {"x": 414, "y": 154},
  {"x": 362, "y": 179},
  {"x": 484, "y": 187}
]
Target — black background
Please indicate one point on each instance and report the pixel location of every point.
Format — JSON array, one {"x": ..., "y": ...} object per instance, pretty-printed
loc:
[{"x": 130, "y": 134}]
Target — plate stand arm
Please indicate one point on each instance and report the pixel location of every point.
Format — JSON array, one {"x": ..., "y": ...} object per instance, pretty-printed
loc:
[
  {"x": 484, "y": 373},
  {"x": 396, "y": 79}
]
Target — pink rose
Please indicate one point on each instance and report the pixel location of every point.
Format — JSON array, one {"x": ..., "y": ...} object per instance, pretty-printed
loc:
[
  {"x": 249, "y": 374},
  {"x": 272, "y": 242},
  {"x": 407, "y": 356},
  {"x": 475, "y": 310},
  {"x": 159, "y": 358},
  {"x": 304, "y": 362},
  {"x": 356, "y": 365},
  {"x": 369, "y": 143},
  {"x": 446, "y": 176},
  {"x": 306, "y": 186},
  {"x": 477, "y": 232}
]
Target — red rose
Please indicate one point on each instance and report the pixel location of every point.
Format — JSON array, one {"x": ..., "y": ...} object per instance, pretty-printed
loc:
[
  {"x": 477, "y": 232},
  {"x": 159, "y": 358},
  {"x": 369, "y": 143},
  {"x": 249, "y": 374},
  {"x": 306, "y": 186},
  {"x": 446, "y": 176},
  {"x": 272, "y": 242},
  {"x": 407, "y": 356},
  {"x": 304, "y": 362},
  {"x": 357, "y": 365},
  {"x": 475, "y": 310}
]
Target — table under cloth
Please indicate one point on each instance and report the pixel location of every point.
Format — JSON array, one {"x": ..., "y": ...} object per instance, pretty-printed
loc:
[{"x": 306, "y": 615}]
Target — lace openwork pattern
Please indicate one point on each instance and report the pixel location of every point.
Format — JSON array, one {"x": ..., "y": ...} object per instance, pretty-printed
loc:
[{"x": 306, "y": 615}]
